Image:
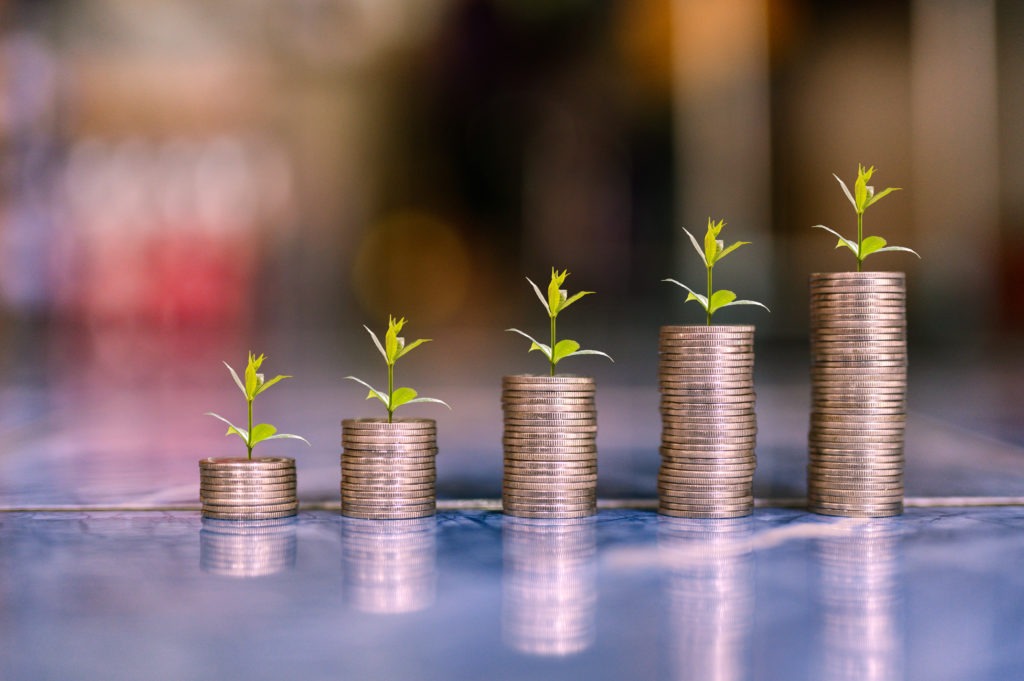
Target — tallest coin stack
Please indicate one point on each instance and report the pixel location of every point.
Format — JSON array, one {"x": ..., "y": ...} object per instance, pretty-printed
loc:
[{"x": 858, "y": 393}]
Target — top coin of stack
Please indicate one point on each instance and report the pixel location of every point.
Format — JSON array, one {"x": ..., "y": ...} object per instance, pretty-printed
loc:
[
  {"x": 709, "y": 427},
  {"x": 858, "y": 389},
  {"x": 550, "y": 444},
  {"x": 235, "y": 488},
  {"x": 388, "y": 470}
]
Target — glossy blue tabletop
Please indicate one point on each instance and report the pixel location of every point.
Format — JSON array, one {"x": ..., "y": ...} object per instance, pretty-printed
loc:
[{"x": 107, "y": 571}]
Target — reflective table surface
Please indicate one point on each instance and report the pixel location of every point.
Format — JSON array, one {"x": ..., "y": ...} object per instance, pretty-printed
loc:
[{"x": 108, "y": 572}]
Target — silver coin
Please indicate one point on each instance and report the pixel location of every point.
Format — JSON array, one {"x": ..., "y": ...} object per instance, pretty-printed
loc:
[
  {"x": 220, "y": 515},
  {"x": 707, "y": 515},
  {"x": 540, "y": 379},
  {"x": 570, "y": 430},
  {"x": 249, "y": 508},
  {"x": 241, "y": 482},
  {"x": 265, "y": 463}
]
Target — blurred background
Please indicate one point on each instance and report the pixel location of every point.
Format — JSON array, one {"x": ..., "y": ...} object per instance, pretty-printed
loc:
[{"x": 183, "y": 181}]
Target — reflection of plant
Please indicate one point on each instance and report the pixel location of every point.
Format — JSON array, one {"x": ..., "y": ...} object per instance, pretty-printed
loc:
[
  {"x": 713, "y": 251},
  {"x": 557, "y": 300},
  {"x": 394, "y": 347},
  {"x": 253, "y": 386},
  {"x": 863, "y": 197}
]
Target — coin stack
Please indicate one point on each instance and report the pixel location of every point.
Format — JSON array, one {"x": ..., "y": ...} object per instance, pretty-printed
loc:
[
  {"x": 247, "y": 548},
  {"x": 550, "y": 444},
  {"x": 247, "y": 489},
  {"x": 709, "y": 429},
  {"x": 858, "y": 392},
  {"x": 388, "y": 469}
]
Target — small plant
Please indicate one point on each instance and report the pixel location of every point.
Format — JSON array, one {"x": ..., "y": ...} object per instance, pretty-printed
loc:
[
  {"x": 862, "y": 198},
  {"x": 557, "y": 300},
  {"x": 713, "y": 251},
  {"x": 393, "y": 349},
  {"x": 251, "y": 387}
]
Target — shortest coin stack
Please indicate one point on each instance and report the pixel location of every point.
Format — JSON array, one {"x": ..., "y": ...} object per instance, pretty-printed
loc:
[
  {"x": 247, "y": 489},
  {"x": 550, "y": 445},
  {"x": 388, "y": 470},
  {"x": 709, "y": 426}
]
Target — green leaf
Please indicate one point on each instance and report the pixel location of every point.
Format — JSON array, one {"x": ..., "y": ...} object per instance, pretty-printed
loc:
[
  {"x": 870, "y": 245},
  {"x": 842, "y": 240},
  {"x": 904, "y": 249},
  {"x": 409, "y": 348},
  {"x": 693, "y": 295},
  {"x": 376, "y": 341},
  {"x": 260, "y": 432},
  {"x": 720, "y": 299},
  {"x": 288, "y": 436},
  {"x": 271, "y": 382},
  {"x": 563, "y": 349},
  {"x": 712, "y": 245},
  {"x": 238, "y": 381},
  {"x": 374, "y": 393},
  {"x": 746, "y": 302},
  {"x": 543, "y": 300},
  {"x": 556, "y": 296},
  {"x": 732, "y": 248},
  {"x": 535, "y": 345},
  {"x": 251, "y": 381},
  {"x": 392, "y": 343},
  {"x": 846, "y": 190},
  {"x": 400, "y": 397},
  {"x": 232, "y": 429},
  {"x": 590, "y": 352},
  {"x": 432, "y": 400},
  {"x": 861, "y": 191},
  {"x": 696, "y": 247},
  {"x": 572, "y": 299},
  {"x": 885, "y": 192}
]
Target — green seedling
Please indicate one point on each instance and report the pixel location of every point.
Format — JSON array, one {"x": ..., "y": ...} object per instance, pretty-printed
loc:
[
  {"x": 392, "y": 350},
  {"x": 251, "y": 387},
  {"x": 557, "y": 300},
  {"x": 862, "y": 198},
  {"x": 713, "y": 251}
]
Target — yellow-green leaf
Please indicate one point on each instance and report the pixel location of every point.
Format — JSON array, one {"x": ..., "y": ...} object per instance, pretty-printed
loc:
[
  {"x": 564, "y": 348},
  {"x": 720, "y": 299}
]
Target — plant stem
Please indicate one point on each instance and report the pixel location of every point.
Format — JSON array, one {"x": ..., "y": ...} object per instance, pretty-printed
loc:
[
  {"x": 552, "y": 345},
  {"x": 391, "y": 389},
  {"x": 248, "y": 442},
  {"x": 860, "y": 238},
  {"x": 709, "y": 294}
]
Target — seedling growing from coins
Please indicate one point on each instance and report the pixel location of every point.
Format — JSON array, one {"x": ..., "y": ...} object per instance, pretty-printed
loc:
[
  {"x": 254, "y": 385},
  {"x": 713, "y": 251},
  {"x": 557, "y": 300},
  {"x": 862, "y": 198},
  {"x": 392, "y": 350}
]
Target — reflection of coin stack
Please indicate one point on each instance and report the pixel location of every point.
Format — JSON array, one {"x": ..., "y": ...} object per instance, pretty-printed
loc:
[
  {"x": 550, "y": 585},
  {"x": 861, "y": 603},
  {"x": 709, "y": 427},
  {"x": 247, "y": 489},
  {"x": 390, "y": 566},
  {"x": 550, "y": 444},
  {"x": 247, "y": 548},
  {"x": 710, "y": 596},
  {"x": 388, "y": 470},
  {"x": 858, "y": 390}
]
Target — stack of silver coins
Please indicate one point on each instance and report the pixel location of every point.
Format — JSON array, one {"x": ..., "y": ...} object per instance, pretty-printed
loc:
[
  {"x": 549, "y": 586},
  {"x": 388, "y": 470},
  {"x": 247, "y": 489},
  {"x": 550, "y": 444},
  {"x": 858, "y": 393},
  {"x": 709, "y": 428},
  {"x": 247, "y": 548},
  {"x": 389, "y": 566}
]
